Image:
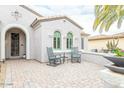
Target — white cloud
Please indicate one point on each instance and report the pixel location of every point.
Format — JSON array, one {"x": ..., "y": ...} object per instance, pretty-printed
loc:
[
  {"x": 67, "y": 10},
  {"x": 83, "y": 15}
]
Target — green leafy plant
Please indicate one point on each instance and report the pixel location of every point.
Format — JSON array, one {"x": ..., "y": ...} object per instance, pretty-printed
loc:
[
  {"x": 118, "y": 52},
  {"x": 112, "y": 45}
]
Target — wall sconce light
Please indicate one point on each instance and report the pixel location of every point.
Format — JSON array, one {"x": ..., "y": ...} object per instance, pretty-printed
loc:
[
  {"x": 16, "y": 14},
  {"x": 64, "y": 20},
  {"x": 76, "y": 38},
  {"x": 64, "y": 37},
  {"x": 50, "y": 36}
]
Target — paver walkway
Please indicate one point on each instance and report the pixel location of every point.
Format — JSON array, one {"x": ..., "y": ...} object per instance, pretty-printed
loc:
[
  {"x": 31, "y": 74},
  {"x": 2, "y": 73}
]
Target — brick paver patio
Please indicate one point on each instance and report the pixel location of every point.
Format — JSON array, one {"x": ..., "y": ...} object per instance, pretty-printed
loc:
[
  {"x": 31, "y": 74},
  {"x": 2, "y": 73}
]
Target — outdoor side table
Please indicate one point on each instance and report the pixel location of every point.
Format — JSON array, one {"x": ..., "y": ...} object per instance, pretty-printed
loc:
[{"x": 64, "y": 57}]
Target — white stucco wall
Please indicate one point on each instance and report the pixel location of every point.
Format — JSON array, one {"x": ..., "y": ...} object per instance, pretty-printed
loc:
[
  {"x": 37, "y": 44},
  {"x": 85, "y": 42},
  {"x": 42, "y": 37},
  {"x": 0, "y": 47},
  {"x": 25, "y": 20},
  {"x": 48, "y": 29}
]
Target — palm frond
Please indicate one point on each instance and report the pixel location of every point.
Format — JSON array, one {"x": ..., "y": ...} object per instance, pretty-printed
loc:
[
  {"x": 106, "y": 15},
  {"x": 120, "y": 20}
]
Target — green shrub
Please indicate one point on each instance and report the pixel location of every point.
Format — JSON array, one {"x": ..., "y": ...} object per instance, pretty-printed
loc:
[{"x": 118, "y": 52}]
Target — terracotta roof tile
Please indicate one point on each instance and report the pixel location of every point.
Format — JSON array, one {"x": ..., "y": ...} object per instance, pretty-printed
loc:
[
  {"x": 52, "y": 18},
  {"x": 100, "y": 37}
]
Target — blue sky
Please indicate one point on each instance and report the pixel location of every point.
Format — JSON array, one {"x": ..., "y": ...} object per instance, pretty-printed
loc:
[{"x": 82, "y": 14}]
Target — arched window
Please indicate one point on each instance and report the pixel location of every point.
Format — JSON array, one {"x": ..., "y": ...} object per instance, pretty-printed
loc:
[
  {"x": 57, "y": 40},
  {"x": 69, "y": 41}
]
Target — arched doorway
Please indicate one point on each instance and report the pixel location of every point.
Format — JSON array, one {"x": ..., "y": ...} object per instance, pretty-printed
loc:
[
  {"x": 5, "y": 31},
  {"x": 15, "y": 43}
]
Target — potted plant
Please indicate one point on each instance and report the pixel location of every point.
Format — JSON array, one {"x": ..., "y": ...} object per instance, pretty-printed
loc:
[
  {"x": 119, "y": 52},
  {"x": 112, "y": 45}
]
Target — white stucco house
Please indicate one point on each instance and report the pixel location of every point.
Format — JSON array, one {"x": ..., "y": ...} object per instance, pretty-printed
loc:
[{"x": 24, "y": 33}]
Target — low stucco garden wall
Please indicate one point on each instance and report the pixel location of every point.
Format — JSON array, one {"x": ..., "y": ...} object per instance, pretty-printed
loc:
[
  {"x": 95, "y": 57},
  {"x": 92, "y": 57}
]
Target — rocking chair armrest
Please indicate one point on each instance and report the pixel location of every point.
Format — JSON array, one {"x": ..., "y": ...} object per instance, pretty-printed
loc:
[
  {"x": 58, "y": 55},
  {"x": 76, "y": 55},
  {"x": 79, "y": 52}
]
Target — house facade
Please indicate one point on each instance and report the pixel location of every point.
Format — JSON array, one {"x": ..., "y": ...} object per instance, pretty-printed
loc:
[
  {"x": 25, "y": 33},
  {"x": 99, "y": 42}
]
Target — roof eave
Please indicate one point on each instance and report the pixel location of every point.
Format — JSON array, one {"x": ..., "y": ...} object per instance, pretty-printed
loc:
[
  {"x": 61, "y": 17},
  {"x": 31, "y": 10}
]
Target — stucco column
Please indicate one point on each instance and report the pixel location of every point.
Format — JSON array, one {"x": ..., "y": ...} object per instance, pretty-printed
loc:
[
  {"x": 62, "y": 42},
  {"x": 2, "y": 46},
  {"x": 27, "y": 46},
  {"x": 85, "y": 42}
]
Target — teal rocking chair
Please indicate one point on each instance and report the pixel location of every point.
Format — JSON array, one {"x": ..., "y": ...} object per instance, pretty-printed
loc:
[
  {"x": 53, "y": 59},
  {"x": 75, "y": 55}
]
